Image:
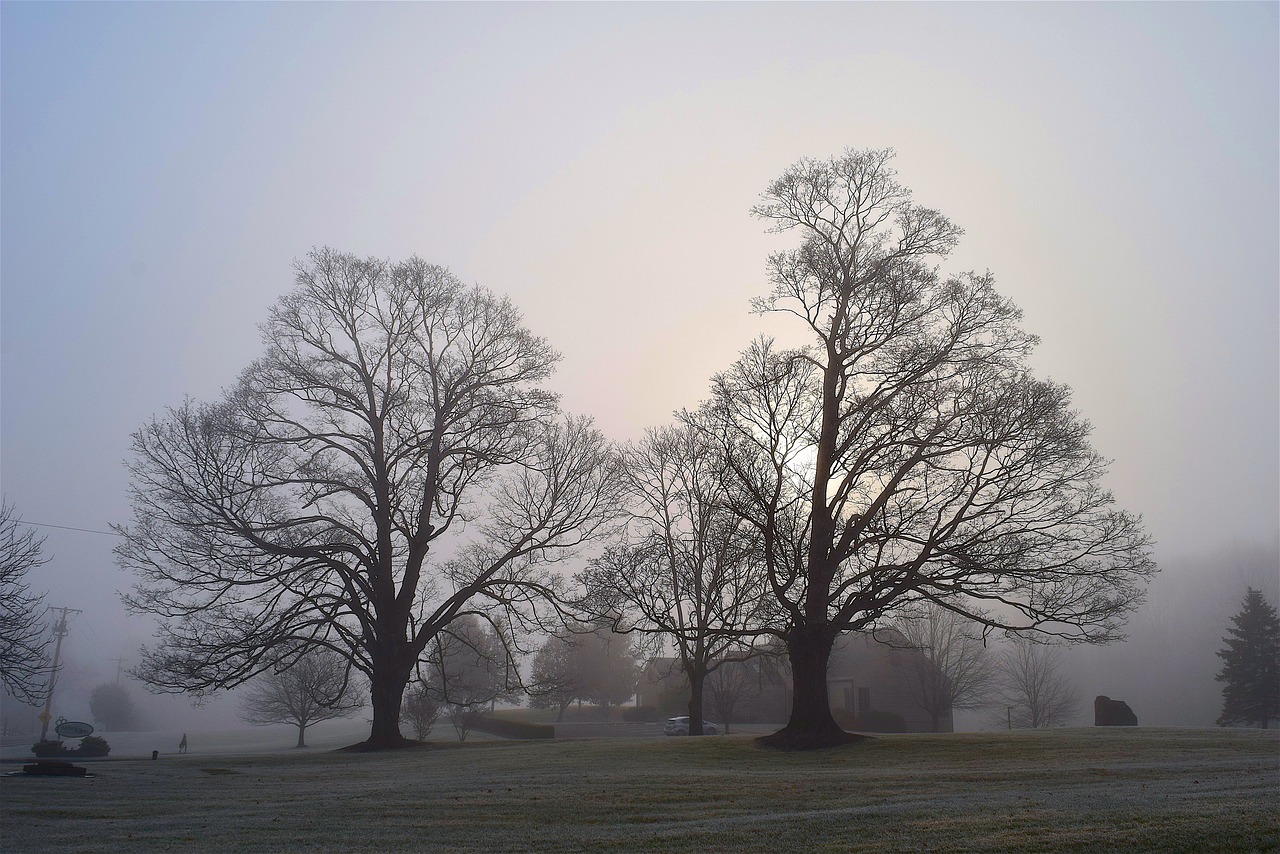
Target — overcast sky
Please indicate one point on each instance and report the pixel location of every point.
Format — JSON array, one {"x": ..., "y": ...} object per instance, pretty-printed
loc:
[{"x": 1114, "y": 166}]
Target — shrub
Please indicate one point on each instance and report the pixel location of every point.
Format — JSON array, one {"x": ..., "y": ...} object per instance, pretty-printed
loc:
[
  {"x": 90, "y": 745},
  {"x": 511, "y": 729},
  {"x": 48, "y": 748},
  {"x": 876, "y": 721},
  {"x": 640, "y": 714}
]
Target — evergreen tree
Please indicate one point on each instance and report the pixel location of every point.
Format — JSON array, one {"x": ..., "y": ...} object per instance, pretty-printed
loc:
[{"x": 1251, "y": 665}]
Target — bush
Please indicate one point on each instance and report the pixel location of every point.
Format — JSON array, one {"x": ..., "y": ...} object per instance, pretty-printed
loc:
[
  {"x": 90, "y": 745},
  {"x": 48, "y": 748},
  {"x": 640, "y": 714},
  {"x": 511, "y": 729}
]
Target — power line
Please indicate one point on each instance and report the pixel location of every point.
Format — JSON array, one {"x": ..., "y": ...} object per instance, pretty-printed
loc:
[{"x": 69, "y": 528}]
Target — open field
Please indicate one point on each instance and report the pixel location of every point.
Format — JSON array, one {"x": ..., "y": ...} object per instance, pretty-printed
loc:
[{"x": 1142, "y": 789}]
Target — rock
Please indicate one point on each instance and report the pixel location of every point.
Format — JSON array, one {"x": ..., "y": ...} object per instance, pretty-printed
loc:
[{"x": 1109, "y": 712}]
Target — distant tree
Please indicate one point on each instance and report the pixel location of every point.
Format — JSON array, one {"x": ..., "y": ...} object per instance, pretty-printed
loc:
[
  {"x": 306, "y": 689},
  {"x": 111, "y": 704},
  {"x": 470, "y": 668},
  {"x": 689, "y": 574},
  {"x": 24, "y": 663},
  {"x": 1031, "y": 687},
  {"x": 953, "y": 670},
  {"x": 907, "y": 452},
  {"x": 395, "y": 413},
  {"x": 558, "y": 677},
  {"x": 1251, "y": 665},
  {"x": 597, "y": 666},
  {"x": 420, "y": 709},
  {"x": 612, "y": 668},
  {"x": 729, "y": 685}
]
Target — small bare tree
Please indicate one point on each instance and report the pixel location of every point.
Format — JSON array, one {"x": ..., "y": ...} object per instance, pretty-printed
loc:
[
  {"x": 558, "y": 676},
  {"x": 1032, "y": 689},
  {"x": 470, "y": 667},
  {"x": 420, "y": 709},
  {"x": 690, "y": 574},
  {"x": 24, "y": 665},
  {"x": 954, "y": 669},
  {"x": 307, "y": 689}
]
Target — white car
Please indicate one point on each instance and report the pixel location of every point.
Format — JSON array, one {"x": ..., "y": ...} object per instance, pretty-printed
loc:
[{"x": 680, "y": 726}]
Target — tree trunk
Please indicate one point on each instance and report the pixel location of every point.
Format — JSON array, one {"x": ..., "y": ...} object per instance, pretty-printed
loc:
[
  {"x": 811, "y": 724},
  {"x": 387, "y": 694},
  {"x": 696, "y": 680},
  {"x": 302, "y": 728}
]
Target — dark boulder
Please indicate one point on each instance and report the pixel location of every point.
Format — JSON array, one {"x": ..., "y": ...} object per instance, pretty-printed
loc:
[{"x": 1109, "y": 712}]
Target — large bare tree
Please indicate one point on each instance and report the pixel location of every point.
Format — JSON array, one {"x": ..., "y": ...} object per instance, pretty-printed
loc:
[
  {"x": 388, "y": 463},
  {"x": 24, "y": 639},
  {"x": 314, "y": 687},
  {"x": 907, "y": 453},
  {"x": 689, "y": 574}
]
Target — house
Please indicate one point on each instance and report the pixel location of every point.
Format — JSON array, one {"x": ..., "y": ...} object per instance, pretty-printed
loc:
[{"x": 872, "y": 683}]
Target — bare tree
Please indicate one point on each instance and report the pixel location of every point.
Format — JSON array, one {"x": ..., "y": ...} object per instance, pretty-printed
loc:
[
  {"x": 1033, "y": 691},
  {"x": 907, "y": 453},
  {"x": 690, "y": 574},
  {"x": 395, "y": 414},
  {"x": 24, "y": 664},
  {"x": 308, "y": 689},
  {"x": 953, "y": 669},
  {"x": 470, "y": 667}
]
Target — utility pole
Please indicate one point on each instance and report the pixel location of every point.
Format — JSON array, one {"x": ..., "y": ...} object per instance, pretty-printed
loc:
[
  {"x": 119, "y": 665},
  {"x": 59, "y": 632}
]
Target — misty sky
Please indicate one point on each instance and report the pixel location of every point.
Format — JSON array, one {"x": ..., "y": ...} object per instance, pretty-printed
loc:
[{"x": 162, "y": 165}]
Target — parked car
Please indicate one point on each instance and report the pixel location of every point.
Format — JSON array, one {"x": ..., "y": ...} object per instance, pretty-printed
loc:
[{"x": 680, "y": 726}]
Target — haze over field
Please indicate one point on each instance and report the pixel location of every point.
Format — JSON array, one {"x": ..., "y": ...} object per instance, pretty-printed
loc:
[{"x": 1114, "y": 166}]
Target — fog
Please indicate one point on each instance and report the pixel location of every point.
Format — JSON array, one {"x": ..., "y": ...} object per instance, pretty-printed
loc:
[{"x": 1115, "y": 167}]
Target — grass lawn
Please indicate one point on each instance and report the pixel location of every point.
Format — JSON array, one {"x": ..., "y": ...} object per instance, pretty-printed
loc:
[{"x": 1082, "y": 789}]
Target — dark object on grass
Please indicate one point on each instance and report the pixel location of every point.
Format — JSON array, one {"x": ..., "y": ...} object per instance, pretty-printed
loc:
[
  {"x": 155, "y": 754},
  {"x": 1109, "y": 712},
  {"x": 54, "y": 768}
]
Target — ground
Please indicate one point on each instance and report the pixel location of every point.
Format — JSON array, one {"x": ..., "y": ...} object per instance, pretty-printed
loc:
[{"x": 1114, "y": 789}]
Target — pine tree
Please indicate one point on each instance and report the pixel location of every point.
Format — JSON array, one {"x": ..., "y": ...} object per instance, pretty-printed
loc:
[{"x": 1251, "y": 668}]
